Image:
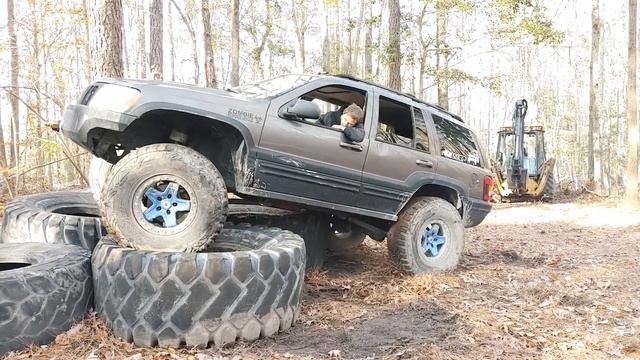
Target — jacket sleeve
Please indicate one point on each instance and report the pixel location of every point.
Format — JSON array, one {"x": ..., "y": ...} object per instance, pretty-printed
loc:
[
  {"x": 328, "y": 119},
  {"x": 355, "y": 134}
]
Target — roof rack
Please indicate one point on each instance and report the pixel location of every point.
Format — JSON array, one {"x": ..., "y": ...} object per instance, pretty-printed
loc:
[{"x": 409, "y": 95}]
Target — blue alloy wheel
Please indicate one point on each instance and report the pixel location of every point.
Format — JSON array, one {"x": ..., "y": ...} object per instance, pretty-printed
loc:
[
  {"x": 166, "y": 204},
  {"x": 433, "y": 240}
]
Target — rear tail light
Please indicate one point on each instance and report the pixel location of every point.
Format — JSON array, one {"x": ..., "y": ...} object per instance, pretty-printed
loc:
[{"x": 488, "y": 187}]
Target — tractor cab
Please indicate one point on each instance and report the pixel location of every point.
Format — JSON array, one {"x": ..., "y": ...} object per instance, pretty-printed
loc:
[{"x": 533, "y": 152}]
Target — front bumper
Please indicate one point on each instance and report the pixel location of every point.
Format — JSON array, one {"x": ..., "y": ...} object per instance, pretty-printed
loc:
[{"x": 80, "y": 120}]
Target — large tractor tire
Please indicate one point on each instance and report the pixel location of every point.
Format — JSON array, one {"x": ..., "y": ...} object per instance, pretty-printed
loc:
[
  {"x": 64, "y": 217},
  {"x": 164, "y": 197},
  {"x": 313, "y": 227},
  {"x": 246, "y": 286},
  {"x": 44, "y": 290},
  {"x": 427, "y": 238}
]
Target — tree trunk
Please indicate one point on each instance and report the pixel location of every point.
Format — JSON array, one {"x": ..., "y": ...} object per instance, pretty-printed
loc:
[
  {"x": 424, "y": 54},
  {"x": 15, "y": 71},
  {"x": 108, "y": 47},
  {"x": 88, "y": 67},
  {"x": 368, "y": 40},
  {"x": 155, "y": 52},
  {"x": 256, "y": 54},
  {"x": 194, "y": 46},
  {"x": 393, "y": 80},
  {"x": 172, "y": 47},
  {"x": 142, "y": 55},
  {"x": 346, "y": 59},
  {"x": 326, "y": 43},
  {"x": 235, "y": 43},
  {"x": 3, "y": 153},
  {"x": 353, "y": 63},
  {"x": 594, "y": 103},
  {"x": 300, "y": 25},
  {"x": 209, "y": 64},
  {"x": 442, "y": 56},
  {"x": 632, "y": 109}
]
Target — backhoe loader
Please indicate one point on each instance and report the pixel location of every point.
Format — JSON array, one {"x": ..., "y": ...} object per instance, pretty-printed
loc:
[{"x": 520, "y": 168}]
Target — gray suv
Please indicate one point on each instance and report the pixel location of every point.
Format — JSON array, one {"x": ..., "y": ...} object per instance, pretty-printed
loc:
[{"x": 417, "y": 179}]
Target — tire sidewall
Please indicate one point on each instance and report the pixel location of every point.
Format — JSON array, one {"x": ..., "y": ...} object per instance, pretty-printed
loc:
[{"x": 443, "y": 213}]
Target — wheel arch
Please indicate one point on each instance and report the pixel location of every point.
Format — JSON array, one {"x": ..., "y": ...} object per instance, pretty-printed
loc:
[
  {"x": 226, "y": 142},
  {"x": 452, "y": 194}
]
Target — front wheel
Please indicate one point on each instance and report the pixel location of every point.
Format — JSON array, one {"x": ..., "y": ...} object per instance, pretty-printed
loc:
[
  {"x": 164, "y": 197},
  {"x": 428, "y": 237}
]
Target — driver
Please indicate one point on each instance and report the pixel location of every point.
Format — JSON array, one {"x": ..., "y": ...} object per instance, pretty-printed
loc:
[{"x": 349, "y": 121}]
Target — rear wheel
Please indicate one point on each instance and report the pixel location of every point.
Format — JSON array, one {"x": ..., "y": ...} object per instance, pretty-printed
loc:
[
  {"x": 428, "y": 237},
  {"x": 344, "y": 236},
  {"x": 313, "y": 227},
  {"x": 164, "y": 197},
  {"x": 549, "y": 192}
]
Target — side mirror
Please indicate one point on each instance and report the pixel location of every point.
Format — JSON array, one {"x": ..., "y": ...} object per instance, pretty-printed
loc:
[{"x": 302, "y": 109}]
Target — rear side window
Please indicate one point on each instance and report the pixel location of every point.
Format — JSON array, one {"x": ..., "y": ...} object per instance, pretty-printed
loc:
[
  {"x": 456, "y": 142},
  {"x": 422, "y": 136},
  {"x": 395, "y": 123}
]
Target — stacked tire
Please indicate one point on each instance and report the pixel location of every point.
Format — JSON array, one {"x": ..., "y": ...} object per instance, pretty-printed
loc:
[{"x": 245, "y": 285}]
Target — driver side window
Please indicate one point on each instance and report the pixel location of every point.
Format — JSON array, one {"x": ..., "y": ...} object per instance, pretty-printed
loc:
[{"x": 332, "y": 99}]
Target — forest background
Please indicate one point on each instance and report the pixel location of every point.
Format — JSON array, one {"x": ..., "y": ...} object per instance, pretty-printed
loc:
[{"x": 573, "y": 60}]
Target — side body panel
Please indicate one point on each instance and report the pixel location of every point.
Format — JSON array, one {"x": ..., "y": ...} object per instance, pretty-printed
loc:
[
  {"x": 306, "y": 160},
  {"x": 392, "y": 172}
]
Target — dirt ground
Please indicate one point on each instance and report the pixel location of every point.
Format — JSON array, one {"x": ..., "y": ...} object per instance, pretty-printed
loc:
[{"x": 541, "y": 281}]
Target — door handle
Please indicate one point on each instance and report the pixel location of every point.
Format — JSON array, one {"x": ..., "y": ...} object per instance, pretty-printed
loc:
[
  {"x": 354, "y": 147},
  {"x": 425, "y": 163}
]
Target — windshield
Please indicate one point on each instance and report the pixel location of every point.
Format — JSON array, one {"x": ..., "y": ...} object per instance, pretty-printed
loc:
[{"x": 273, "y": 87}]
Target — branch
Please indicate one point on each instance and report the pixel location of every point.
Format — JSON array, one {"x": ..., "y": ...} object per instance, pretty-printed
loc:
[{"x": 65, "y": 148}]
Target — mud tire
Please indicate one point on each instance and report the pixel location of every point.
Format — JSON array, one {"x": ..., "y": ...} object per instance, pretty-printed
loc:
[
  {"x": 251, "y": 289},
  {"x": 312, "y": 227},
  {"x": 44, "y": 299},
  {"x": 172, "y": 162},
  {"x": 550, "y": 187},
  {"x": 99, "y": 170},
  {"x": 404, "y": 240},
  {"x": 65, "y": 217},
  {"x": 349, "y": 239}
]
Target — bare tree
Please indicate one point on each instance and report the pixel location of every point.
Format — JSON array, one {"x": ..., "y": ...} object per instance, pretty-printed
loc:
[
  {"x": 353, "y": 62},
  {"x": 368, "y": 40},
  {"x": 107, "y": 52},
  {"x": 172, "y": 47},
  {"x": 632, "y": 108},
  {"x": 3, "y": 153},
  {"x": 326, "y": 43},
  {"x": 442, "y": 55},
  {"x": 88, "y": 68},
  {"x": 209, "y": 64},
  {"x": 393, "y": 80},
  {"x": 235, "y": 43},
  {"x": 192, "y": 33},
  {"x": 594, "y": 100},
  {"x": 299, "y": 15},
  {"x": 425, "y": 43},
  {"x": 14, "y": 93},
  {"x": 260, "y": 39},
  {"x": 142, "y": 56},
  {"x": 155, "y": 53}
]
